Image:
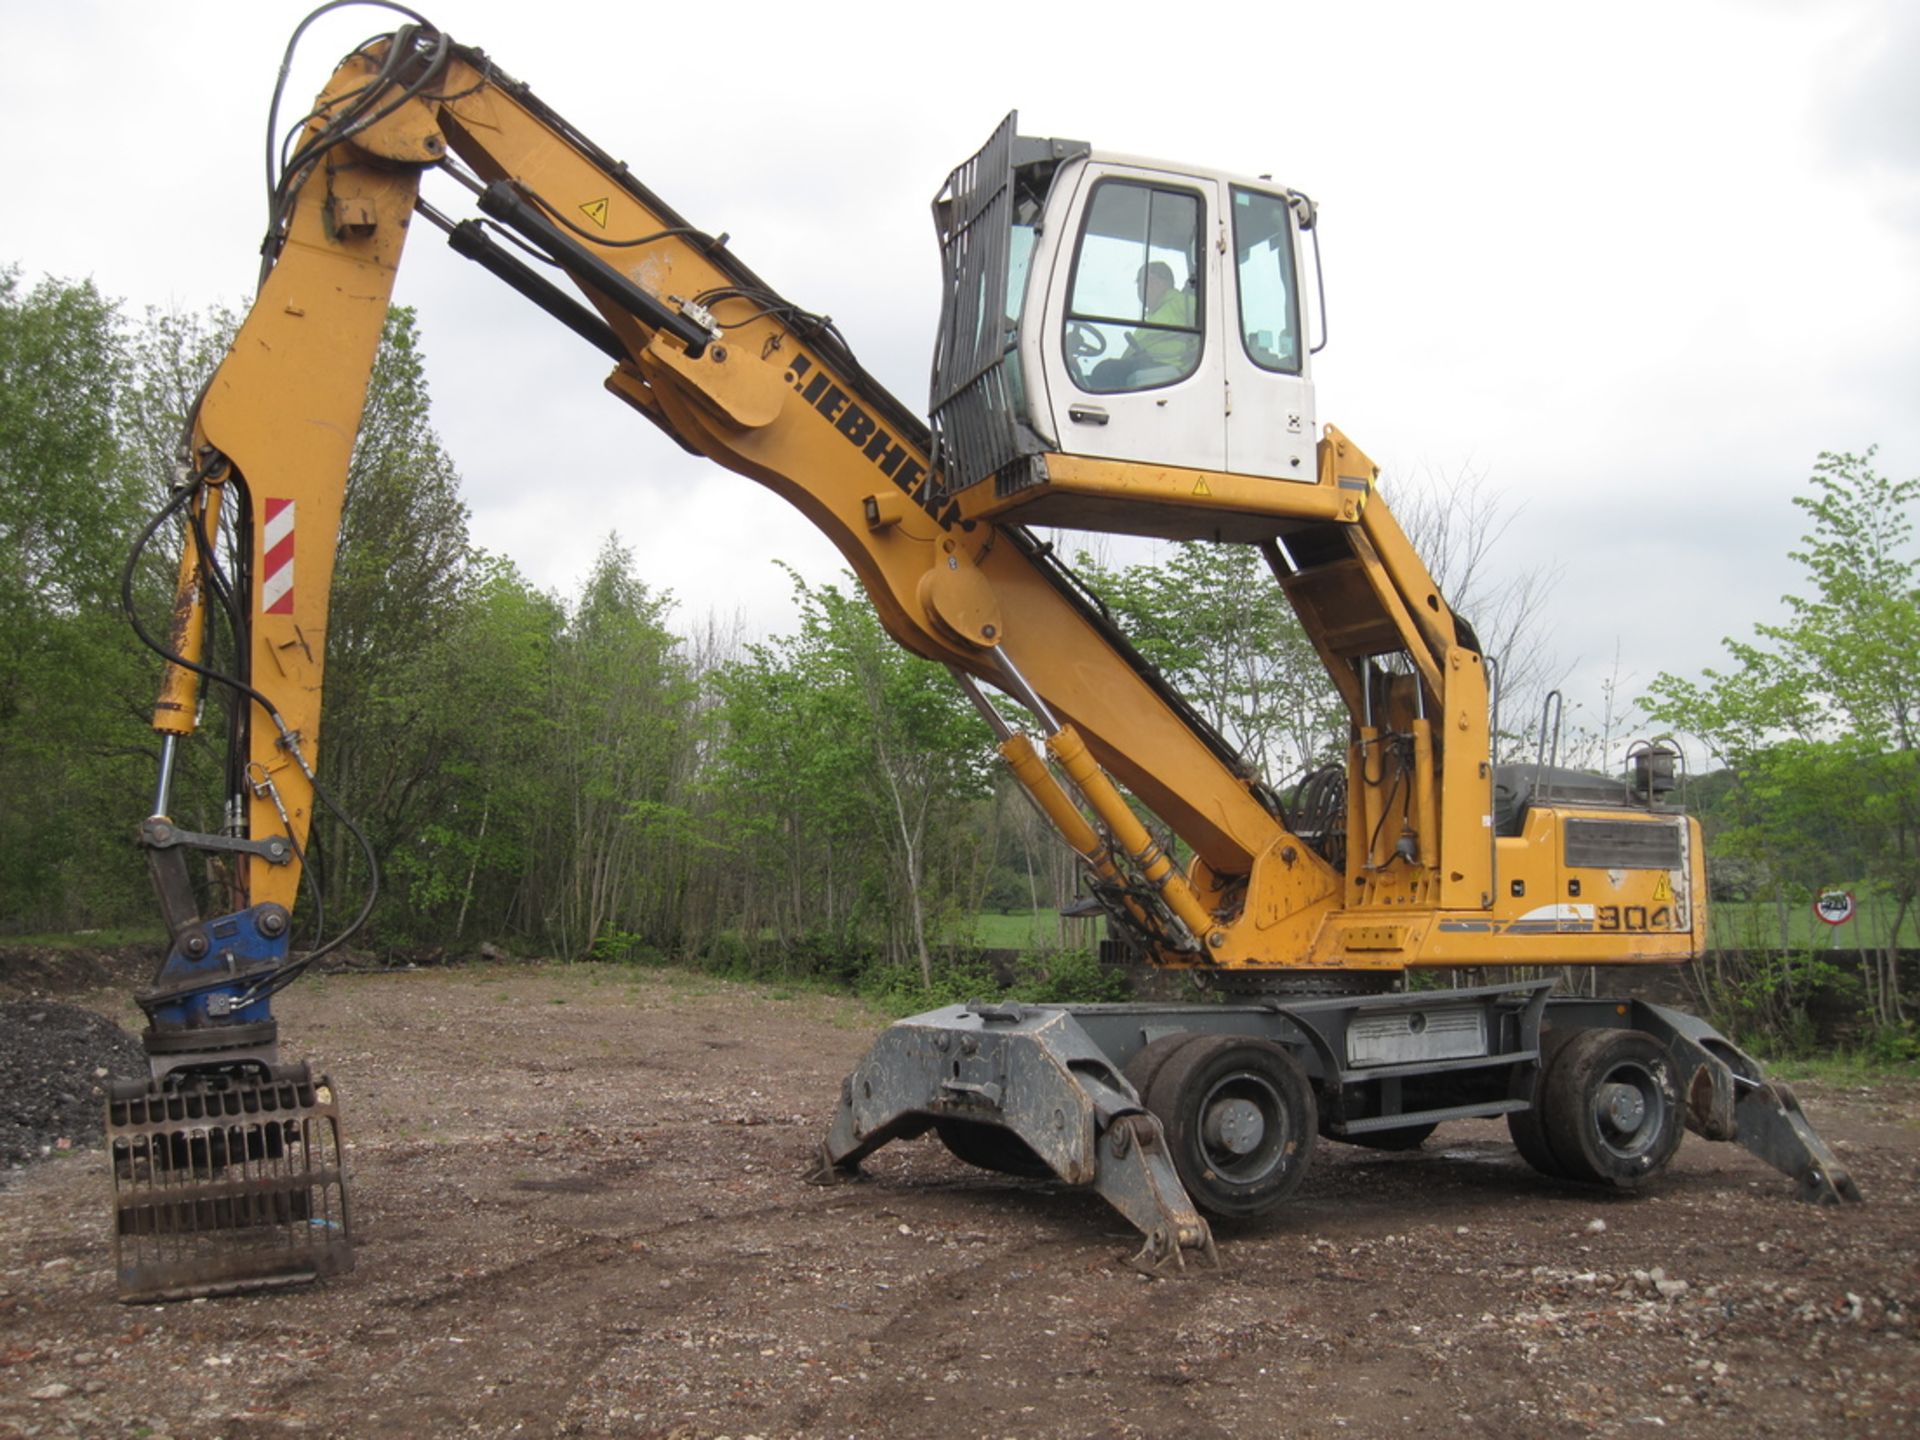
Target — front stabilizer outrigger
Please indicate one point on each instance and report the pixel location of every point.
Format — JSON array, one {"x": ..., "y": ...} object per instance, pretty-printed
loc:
[
  {"x": 1729, "y": 1097},
  {"x": 1034, "y": 1074}
]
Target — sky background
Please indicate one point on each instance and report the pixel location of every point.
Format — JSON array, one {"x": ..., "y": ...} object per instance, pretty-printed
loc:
[{"x": 1634, "y": 266}]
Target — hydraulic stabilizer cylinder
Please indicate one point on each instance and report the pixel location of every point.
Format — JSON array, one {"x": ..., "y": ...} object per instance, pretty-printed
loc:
[{"x": 1425, "y": 822}]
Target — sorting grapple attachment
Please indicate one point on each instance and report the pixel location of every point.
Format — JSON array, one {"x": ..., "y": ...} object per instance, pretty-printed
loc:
[{"x": 226, "y": 1182}]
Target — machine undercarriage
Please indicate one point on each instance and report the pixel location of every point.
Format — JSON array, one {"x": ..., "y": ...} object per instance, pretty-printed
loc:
[{"x": 1176, "y": 1112}]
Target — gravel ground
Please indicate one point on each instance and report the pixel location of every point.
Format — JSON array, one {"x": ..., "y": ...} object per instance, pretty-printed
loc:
[
  {"x": 56, "y": 1062},
  {"x": 581, "y": 1211}
]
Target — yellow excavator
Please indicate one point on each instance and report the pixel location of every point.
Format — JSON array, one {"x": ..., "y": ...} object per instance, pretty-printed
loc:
[{"x": 1125, "y": 346}]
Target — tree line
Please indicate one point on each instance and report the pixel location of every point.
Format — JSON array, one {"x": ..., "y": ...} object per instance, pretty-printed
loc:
[
  {"x": 1815, "y": 729},
  {"x": 564, "y": 776},
  {"x": 591, "y": 775}
]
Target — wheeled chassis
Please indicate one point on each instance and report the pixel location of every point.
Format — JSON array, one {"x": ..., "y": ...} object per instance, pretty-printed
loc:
[{"x": 1054, "y": 1077}]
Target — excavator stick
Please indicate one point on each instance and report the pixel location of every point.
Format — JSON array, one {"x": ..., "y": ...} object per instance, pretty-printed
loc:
[{"x": 226, "y": 1182}]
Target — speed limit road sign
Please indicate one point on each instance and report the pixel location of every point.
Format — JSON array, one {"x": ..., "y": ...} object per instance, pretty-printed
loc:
[{"x": 1834, "y": 906}]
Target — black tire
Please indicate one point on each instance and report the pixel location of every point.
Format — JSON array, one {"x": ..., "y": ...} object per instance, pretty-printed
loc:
[
  {"x": 1613, "y": 1113},
  {"x": 1528, "y": 1127},
  {"x": 1240, "y": 1122},
  {"x": 991, "y": 1147},
  {"x": 1148, "y": 1061},
  {"x": 1407, "y": 1137}
]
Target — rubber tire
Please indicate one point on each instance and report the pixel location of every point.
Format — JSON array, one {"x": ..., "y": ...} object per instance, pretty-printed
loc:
[
  {"x": 1191, "y": 1077},
  {"x": 1528, "y": 1127},
  {"x": 1151, "y": 1058},
  {"x": 1580, "y": 1140},
  {"x": 990, "y": 1147},
  {"x": 1407, "y": 1137}
]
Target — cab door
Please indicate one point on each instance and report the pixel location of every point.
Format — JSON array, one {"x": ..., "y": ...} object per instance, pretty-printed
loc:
[{"x": 1129, "y": 341}]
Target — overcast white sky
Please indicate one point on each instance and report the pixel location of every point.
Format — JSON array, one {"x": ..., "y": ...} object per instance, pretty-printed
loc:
[{"x": 1636, "y": 263}]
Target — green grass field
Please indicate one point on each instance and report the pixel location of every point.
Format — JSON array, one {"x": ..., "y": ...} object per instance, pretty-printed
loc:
[
  {"x": 1755, "y": 925},
  {"x": 1021, "y": 930}
]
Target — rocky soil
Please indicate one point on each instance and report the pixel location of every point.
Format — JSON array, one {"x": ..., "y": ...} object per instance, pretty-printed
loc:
[
  {"x": 580, "y": 1207},
  {"x": 56, "y": 1062}
]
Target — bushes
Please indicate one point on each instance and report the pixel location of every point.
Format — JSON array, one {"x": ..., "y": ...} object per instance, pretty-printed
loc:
[
  {"x": 959, "y": 975},
  {"x": 1800, "y": 1003}
]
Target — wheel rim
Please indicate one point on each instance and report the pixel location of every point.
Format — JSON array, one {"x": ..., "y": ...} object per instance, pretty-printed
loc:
[
  {"x": 1243, "y": 1128},
  {"x": 1629, "y": 1111}
]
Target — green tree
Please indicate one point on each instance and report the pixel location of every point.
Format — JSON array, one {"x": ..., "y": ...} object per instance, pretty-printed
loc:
[
  {"x": 854, "y": 768},
  {"x": 909, "y": 734},
  {"x": 485, "y": 693},
  {"x": 398, "y": 587},
  {"x": 618, "y": 832},
  {"x": 1817, "y": 719},
  {"x": 170, "y": 355},
  {"x": 1214, "y": 622},
  {"x": 72, "y": 743}
]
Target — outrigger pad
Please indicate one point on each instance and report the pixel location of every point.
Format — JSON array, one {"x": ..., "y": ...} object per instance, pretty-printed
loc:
[{"x": 227, "y": 1182}]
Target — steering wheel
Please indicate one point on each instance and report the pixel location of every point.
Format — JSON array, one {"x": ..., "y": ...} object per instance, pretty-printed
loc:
[{"x": 1084, "y": 342}]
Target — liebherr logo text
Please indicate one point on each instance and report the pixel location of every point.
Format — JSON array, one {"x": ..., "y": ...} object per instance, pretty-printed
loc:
[{"x": 861, "y": 430}]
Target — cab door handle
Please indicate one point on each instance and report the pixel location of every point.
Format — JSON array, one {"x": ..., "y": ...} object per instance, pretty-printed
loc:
[{"x": 1087, "y": 414}]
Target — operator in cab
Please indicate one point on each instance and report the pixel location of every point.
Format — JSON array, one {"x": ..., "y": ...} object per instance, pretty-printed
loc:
[{"x": 1163, "y": 348}]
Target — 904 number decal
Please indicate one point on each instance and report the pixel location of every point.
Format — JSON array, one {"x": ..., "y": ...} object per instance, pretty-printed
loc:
[{"x": 1633, "y": 918}]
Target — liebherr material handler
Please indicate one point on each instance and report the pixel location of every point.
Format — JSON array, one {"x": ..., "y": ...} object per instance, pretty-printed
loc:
[{"x": 1123, "y": 347}]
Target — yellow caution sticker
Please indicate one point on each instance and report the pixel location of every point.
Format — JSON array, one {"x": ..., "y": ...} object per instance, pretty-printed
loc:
[
  {"x": 1200, "y": 486},
  {"x": 596, "y": 211},
  {"x": 1662, "y": 889}
]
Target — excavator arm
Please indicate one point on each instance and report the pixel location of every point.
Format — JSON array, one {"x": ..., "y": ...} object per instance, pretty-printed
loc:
[{"x": 710, "y": 354}]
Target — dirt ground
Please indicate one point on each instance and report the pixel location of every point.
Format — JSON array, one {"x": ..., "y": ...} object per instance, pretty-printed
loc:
[{"x": 581, "y": 1210}]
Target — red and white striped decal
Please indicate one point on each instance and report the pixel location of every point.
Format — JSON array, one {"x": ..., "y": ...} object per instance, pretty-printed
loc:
[{"x": 276, "y": 543}]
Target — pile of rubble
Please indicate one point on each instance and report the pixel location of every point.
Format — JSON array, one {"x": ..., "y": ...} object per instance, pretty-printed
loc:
[{"x": 56, "y": 1063}]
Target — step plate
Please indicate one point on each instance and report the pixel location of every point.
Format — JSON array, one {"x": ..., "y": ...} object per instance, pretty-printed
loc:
[{"x": 1413, "y": 1036}]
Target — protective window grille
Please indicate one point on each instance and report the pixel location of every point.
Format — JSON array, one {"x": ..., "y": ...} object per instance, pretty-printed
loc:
[{"x": 970, "y": 398}]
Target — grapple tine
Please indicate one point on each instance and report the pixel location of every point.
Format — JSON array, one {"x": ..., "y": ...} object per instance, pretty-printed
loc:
[{"x": 227, "y": 1182}]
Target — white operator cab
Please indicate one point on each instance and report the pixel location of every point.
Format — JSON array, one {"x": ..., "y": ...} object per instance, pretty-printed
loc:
[
  {"x": 1167, "y": 321},
  {"x": 1149, "y": 314}
]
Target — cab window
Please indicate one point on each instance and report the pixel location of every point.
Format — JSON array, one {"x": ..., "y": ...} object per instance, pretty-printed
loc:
[
  {"x": 1269, "y": 306},
  {"x": 1134, "y": 306}
]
